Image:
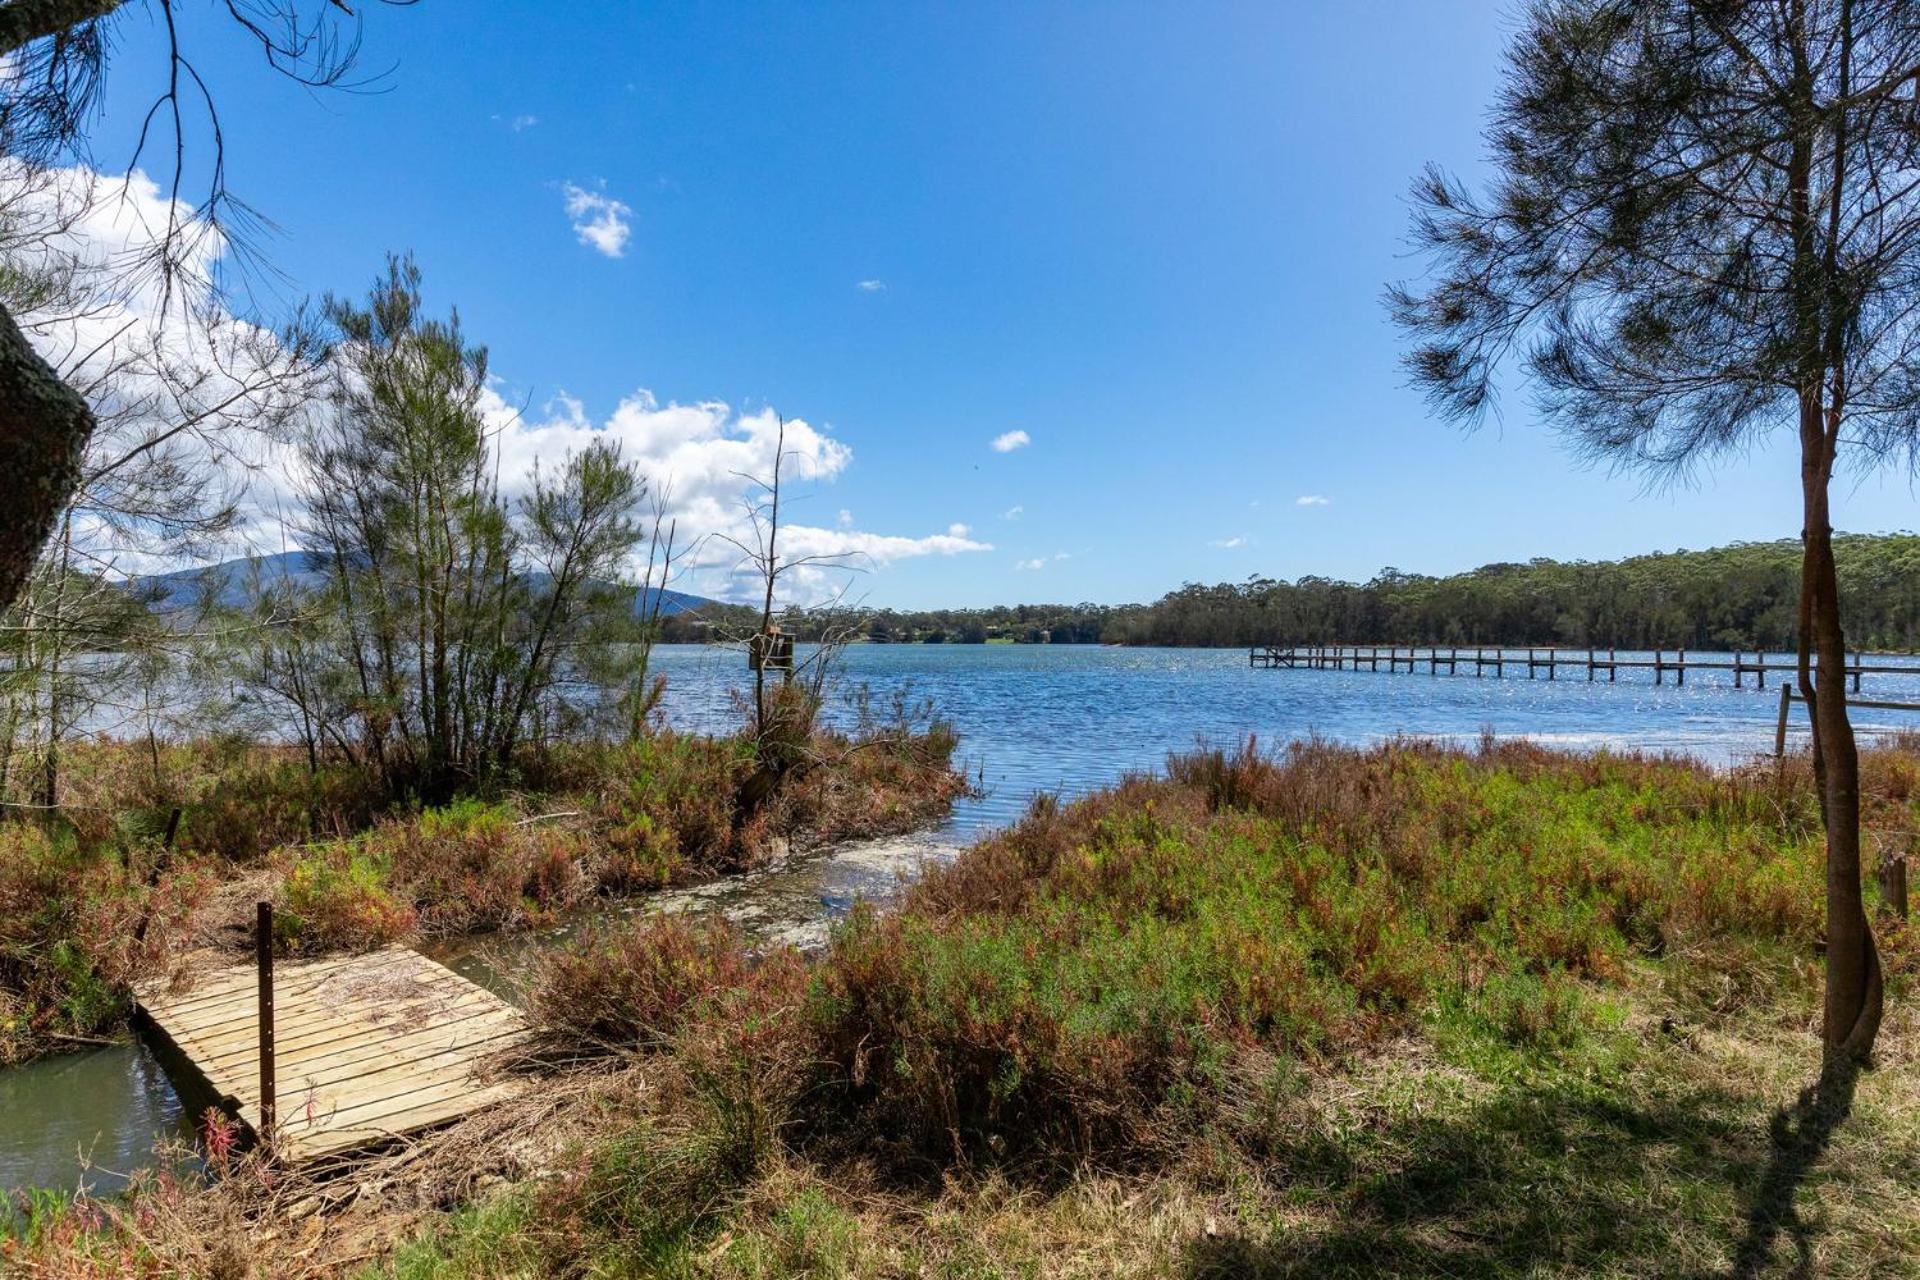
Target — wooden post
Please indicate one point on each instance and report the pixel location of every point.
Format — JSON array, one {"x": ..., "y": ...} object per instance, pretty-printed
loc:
[
  {"x": 1762, "y": 665},
  {"x": 1613, "y": 667},
  {"x": 1893, "y": 881},
  {"x": 1780, "y": 730},
  {"x": 263, "y": 961},
  {"x": 1589, "y": 664},
  {"x": 1736, "y": 668},
  {"x": 1681, "y": 678}
]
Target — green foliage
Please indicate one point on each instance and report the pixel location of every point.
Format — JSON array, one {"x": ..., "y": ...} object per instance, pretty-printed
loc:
[
  {"x": 1075, "y": 984},
  {"x": 68, "y": 916},
  {"x": 453, "y": 619},
  {"x": 1738, "y": 596},
  {"x": 338, "y": 895}
]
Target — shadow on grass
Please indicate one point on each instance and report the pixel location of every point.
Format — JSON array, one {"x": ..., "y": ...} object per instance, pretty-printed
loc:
[
  {"x": 1563, "y": 1180},
  {"x": 1800, "y": 1137}
]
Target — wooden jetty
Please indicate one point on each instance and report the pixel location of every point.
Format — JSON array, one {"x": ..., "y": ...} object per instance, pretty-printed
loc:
[
  {"x": 332, "y": 1055},
  {"x": 1550, "y": 659}
]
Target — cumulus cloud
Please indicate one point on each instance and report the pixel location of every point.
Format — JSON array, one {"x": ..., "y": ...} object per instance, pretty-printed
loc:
[
  {"x": 1313, "y": 500},
  {"x": 175, "y": 379},
  {"x": 1038, "y": 562},
  {"x": 1013, "y": 513},
  {"x": 599, "y": 221},
  {"x": 1008, "y": 441},
  {"x": 959, "y": 530},
  {"x": 871, "y": 286},
  {"x": 704, "y": 454}
]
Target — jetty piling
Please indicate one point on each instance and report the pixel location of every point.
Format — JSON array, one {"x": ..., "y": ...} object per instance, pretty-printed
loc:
[{"x": 1550, "y": 659}]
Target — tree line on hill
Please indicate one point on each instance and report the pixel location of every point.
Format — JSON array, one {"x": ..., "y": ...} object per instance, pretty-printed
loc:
[{"x": 1741, "y": 596}]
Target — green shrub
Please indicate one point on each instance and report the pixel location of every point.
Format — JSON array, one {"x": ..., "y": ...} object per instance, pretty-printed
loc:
[{"x": 68, "y": 947}]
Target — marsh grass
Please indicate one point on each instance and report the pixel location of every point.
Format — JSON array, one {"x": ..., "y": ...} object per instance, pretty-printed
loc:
[
  {"x": 1400, "y": 1011},
  {"x": 1404, "y": 1011}
]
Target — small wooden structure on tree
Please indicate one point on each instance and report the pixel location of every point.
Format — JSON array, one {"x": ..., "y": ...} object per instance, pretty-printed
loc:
[{"x": 770, "y": 650}]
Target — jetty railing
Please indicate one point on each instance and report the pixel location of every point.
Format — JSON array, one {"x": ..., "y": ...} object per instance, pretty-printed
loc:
[
  {"x": 1790, "y": 695},
  {"x": 1596, "y": 663}
]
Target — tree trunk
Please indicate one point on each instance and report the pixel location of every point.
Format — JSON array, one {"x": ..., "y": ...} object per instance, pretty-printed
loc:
[
  {"x": 24, "y": 21},
  {"x": 1854, "y": 993},
  {"x": 44, "y": 426}
]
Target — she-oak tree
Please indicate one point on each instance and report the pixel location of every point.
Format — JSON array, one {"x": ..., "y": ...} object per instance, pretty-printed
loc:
[{"x": 1703, "y": 226}]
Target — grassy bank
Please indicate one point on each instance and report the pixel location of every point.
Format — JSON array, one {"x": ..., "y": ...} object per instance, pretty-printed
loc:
[
  {"x": 1405, "y": 1011},
  {"x": 94, "y": 898}
]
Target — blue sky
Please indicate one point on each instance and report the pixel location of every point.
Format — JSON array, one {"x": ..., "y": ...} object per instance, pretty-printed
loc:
[{"x": 1151, "y": 237}]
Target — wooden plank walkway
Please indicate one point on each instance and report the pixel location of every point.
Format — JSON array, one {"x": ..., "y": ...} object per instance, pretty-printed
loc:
[{"x": 367, "y": 1047}]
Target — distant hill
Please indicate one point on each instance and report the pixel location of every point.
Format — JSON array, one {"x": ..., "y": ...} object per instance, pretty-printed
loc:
[{"x": 231, "y": 580}]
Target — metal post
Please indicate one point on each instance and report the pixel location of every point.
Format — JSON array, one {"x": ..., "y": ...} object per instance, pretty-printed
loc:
[{"x": 263, "y": 961}]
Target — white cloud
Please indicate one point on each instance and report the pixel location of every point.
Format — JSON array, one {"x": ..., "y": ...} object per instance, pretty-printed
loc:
[
  {"x": 1061, "y": 555},
  {"x": 1038, "y": 562},
  {"x": 959, "y": 530},
  {"x": 1235, "y": 541},
  {"x": 1313, "y": 500},
  {"x": 1013, "y": 513},
  {"x": 173, "y": 376},
  {"x": 599, "y": 221},
  {"x": 519, "y": 124},
  {"x": 702, "y": 453},
  {"x": 871, "y": 286},
  {"x": 1008, "y": 441}
]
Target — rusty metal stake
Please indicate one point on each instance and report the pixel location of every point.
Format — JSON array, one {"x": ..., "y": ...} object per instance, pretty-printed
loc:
[{"x": 263, "y": 960}]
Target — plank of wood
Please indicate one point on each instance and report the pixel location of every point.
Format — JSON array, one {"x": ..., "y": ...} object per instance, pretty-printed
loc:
[
  {"x": 391, "y": 1007},
  {"x": 235, "y": 982},
  {"x": 321, "y": 1104},
  {"x": 325, "y": 1142}
]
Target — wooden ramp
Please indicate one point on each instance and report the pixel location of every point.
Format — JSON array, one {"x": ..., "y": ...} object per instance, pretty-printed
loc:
[{"x": 367, "y": 1047}]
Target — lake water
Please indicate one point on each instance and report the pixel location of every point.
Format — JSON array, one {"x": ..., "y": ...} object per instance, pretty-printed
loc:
[{"x": 1031, "y": 719}]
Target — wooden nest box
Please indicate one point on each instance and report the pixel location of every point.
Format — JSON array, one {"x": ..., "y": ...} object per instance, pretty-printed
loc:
[{"x": 771, "y": 650}]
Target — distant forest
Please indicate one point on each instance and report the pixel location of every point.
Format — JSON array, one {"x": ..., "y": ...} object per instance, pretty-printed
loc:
[{"x": 1740, "y": 596}]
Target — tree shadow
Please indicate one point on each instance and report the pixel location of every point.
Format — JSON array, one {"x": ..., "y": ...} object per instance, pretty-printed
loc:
[
  {"x": 1800, "y": 1136},
  {"x": 1566, "y": 1177}
]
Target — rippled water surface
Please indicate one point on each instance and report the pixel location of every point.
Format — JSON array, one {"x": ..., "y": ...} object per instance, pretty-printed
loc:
[
  {"x": 1069, "y": 718},
  {"x": 1031, "y": 718}
]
